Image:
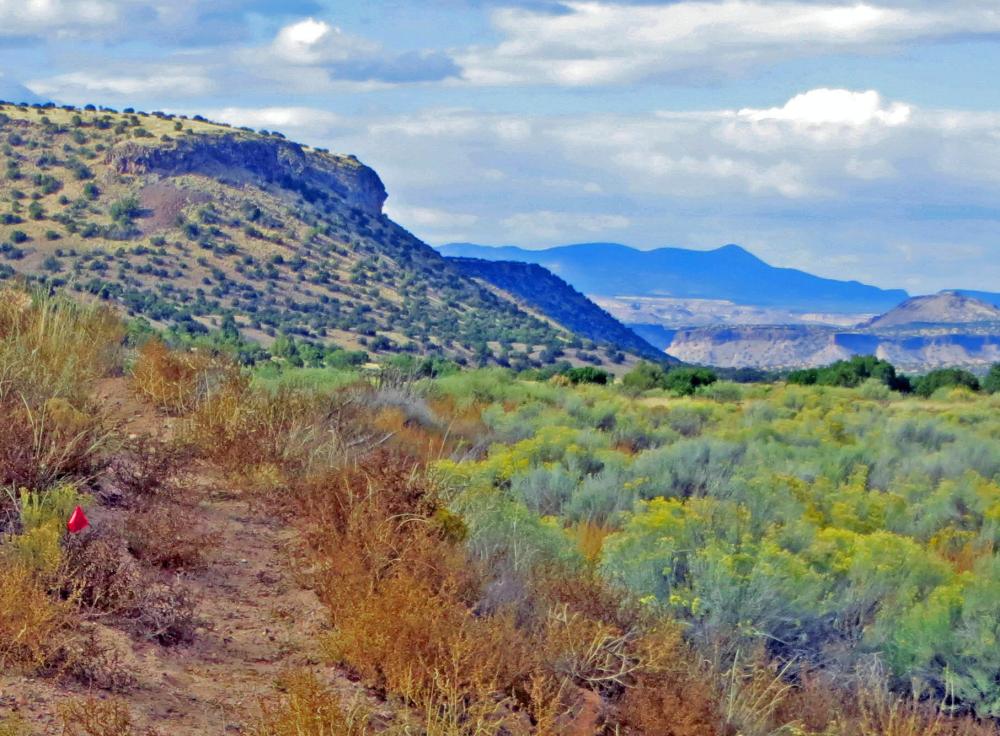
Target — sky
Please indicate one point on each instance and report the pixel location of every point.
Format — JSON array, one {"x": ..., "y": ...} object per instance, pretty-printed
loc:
[{"x": 856, "y": 140}]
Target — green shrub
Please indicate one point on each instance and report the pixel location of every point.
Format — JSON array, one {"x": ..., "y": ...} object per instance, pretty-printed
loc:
[
  {"x": 945, "y": 378},
  {"x": 851, "y": 373},
  {"x": 644, "y": 377},
  {"x": 125, "y": 210},
  {"x": 589, "y": 374},
  {"x": 991, "y": 384},
  {"x": 685, "y": 381}
]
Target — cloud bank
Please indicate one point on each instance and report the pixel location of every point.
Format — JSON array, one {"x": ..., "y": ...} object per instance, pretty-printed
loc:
[{"x": 908, "y": 192}]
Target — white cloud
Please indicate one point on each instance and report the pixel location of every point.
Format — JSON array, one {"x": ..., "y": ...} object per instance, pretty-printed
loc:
[
  {"x": 79, "y": 87},
  {"x": 299, "y": 122},
  {"x": 428, "y": 217},
  {"x": 834, "y": 107},
  {"x": 869, "y": 169},
  {"x": 595, "y": 42},
  {"x": 546, "y": 224},
  {"x": 63, "y": 17},
  {"x": 699, "y": 176},
  {"x": 451, "y": 123},
  {"x": 312, "y": 56},
  {"x": 433, "y": 224},
  {"x": 312, "y": 41}
]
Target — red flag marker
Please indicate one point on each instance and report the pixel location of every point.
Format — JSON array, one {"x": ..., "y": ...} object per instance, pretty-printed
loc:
[{"x": 78, "y": 521}]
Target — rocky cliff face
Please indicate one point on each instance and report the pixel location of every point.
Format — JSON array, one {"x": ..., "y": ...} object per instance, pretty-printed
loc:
[
  {"x": 796, "y": 346},
  {"x": 235, "y": 159},
  {"x": 740, "y": 346}
]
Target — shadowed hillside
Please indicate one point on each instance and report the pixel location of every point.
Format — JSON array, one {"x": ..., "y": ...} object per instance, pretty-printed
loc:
[{"x": 544, "y": 292}]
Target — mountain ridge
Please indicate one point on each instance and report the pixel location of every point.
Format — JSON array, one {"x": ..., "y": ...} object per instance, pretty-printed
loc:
[{"x": 729, "y": 272}]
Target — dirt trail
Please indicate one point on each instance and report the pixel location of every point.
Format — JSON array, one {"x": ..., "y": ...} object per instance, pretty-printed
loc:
[{"x": 256, "y": 622}]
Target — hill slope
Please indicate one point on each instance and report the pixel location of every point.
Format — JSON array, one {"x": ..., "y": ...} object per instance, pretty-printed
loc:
[
  {"x": 730, "y": 272},
  {"x": 948, "y": 307},
  {"x": 189, "y": 223},
  {"x": 543, "y": 291},
  {"x": 985, "y": 296}
]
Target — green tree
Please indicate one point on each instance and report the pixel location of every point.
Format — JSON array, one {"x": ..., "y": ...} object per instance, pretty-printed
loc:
[
  {"x": 945, "y": 377},
  {"x": 686, "y": 381},
  {"x": 644, "y": 377},
  {"x": 125, "y": 210},
  {"x": 852, "y": 373},
  {"x": 589, "y": 374},
  {"x": 285, "y": 347},
  {"x": 230, "y": 330},
  {"x": 991, "y": 384}
]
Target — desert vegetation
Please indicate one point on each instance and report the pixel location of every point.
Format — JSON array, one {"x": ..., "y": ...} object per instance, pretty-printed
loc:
[{"x": 494, "y": 553}]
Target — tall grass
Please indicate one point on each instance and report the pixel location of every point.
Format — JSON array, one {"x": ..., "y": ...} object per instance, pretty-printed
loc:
[
  {"x": 51, "y": 352},
  {"x": 53, "y": 348}
]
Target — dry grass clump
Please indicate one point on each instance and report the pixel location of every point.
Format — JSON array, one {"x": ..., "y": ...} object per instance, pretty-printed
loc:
[
  {"x": 166, "y": 614},
  {"x": 13, "y": 726},
  {"x": 399, "y": 591},
  {"x": 870, "y": 708},
  {"x": 33, "y": 625},
  {"x": 171, "y": 536},
  {"x": 97, "y": 661},
  {"x": 146, "y": 469},
  {"x": 307, "y": 708},
  {"x": 101, "y": 575},
  {"x": 52, "y": 347},
  {"x": 403, "y": 598},
  {"x": 47, "y": 442},
  {"x": 171, "y": 380},
  {"x": 51, "y": 351},
  {"x": 240, "y": 427},
  {"x": 94, "y": 717}
]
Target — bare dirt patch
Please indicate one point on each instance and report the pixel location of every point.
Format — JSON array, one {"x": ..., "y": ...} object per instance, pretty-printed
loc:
[{"x": 163, "y": 204}]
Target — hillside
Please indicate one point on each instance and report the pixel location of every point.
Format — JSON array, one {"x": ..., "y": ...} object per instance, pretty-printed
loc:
[
  {"x": 542, "y": 291},
  {"x": 728, "y": 273},
  {"x": 194, "y": 225},
  {"x": 948, "y": 307}
]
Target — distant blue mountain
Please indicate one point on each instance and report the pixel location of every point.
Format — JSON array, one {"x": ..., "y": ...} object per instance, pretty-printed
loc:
[
  {"x": 13, "y": 92},
  {"x": 730, "y": 272}
]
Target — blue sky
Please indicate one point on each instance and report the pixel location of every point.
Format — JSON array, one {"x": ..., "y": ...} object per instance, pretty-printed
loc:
[{"x": 852, "y": 139}]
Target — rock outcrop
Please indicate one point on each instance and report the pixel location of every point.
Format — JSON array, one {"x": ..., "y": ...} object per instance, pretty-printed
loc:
[{"x": 236, "y": 159}]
